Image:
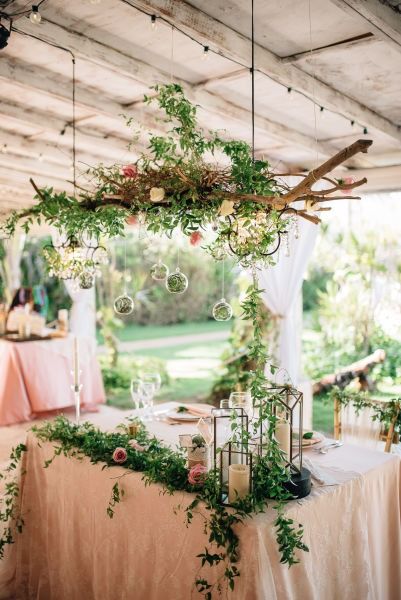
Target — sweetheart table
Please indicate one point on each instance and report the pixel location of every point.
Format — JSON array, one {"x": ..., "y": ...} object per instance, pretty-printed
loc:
[
  {"x": 70, "y": 549},
  {"x": 35, "y": 377}
]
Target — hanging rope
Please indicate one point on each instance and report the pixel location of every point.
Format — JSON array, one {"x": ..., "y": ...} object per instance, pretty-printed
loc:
[{"x": 74, "y": 149}]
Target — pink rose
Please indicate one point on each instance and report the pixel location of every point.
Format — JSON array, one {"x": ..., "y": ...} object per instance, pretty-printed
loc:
[
  {"x": 195, "y": 238},
  {"x": 347, "y": 180},
  {"x": 136, "y": 446},
  {"x": 196, "y": 475},
  {"x": 131, "y": 220},
  {"x": 130, "y": 171},
  {"x": 120, "y": 455}
]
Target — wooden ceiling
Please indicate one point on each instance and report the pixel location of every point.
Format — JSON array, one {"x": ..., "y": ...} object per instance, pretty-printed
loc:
[{"x": 353, "y": 73}]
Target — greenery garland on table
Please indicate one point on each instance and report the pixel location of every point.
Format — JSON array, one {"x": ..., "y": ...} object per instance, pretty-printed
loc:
[{"x": 175, "y": 185}]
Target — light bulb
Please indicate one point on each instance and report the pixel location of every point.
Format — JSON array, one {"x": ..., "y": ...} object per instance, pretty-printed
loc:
[
  {"x": 153, "y": 22},
  {"x": 40, "y": 157},
  {"x": 205, "y": 53},
  {"x": 35, "y": 16},
  {"x": 4, "y": 149},
  {"x": 290, "y": 93}
]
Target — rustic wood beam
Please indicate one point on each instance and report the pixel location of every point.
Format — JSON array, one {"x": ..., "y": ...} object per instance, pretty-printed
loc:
[
  {"x": 233, "y": 44},
  {"x": 379, "y": 18},
  {"x": 360, "y": 40},
  {"x": 137, "y": 70}
]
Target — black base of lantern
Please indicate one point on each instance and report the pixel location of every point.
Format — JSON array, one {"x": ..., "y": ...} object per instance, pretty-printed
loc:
[{"x": 300, "y": 483}]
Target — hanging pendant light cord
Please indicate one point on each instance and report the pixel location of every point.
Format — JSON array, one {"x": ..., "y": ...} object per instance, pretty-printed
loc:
[{"x": 253, "y": 79}]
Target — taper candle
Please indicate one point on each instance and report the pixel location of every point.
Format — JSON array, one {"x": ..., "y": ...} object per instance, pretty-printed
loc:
[{"x": 76, "y": 362}]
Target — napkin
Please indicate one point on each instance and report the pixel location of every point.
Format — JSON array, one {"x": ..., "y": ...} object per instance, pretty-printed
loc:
[
  {"x": 321, "y": 475},
  {"x": 197, "y": 412}
]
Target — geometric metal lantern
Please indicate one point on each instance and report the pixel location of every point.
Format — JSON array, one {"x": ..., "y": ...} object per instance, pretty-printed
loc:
[{"x": 287, "y": 406}]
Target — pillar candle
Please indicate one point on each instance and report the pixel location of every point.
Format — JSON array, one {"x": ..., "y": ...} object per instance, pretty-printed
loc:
[
  {"x": 238, "y": 482},
  {"x": 283, "y": 436},
  {"x": 76, "y": 362}
]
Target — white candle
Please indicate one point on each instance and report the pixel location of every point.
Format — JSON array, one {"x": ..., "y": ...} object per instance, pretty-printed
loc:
[
  {"x": 238, "y": 482},
  {"x": 76, "y": 362},
  {"x": 21, "y": 325},
  {"x": 283, "y": 436}
]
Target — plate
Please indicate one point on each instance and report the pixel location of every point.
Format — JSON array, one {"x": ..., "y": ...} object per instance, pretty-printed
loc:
[
  {"x": 316, "y": 439},
  {"x": 181, "y": 416}
]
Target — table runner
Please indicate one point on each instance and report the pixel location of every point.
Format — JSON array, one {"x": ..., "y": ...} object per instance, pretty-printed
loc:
[
  {"x": 35, "y": 377},
  {"x": 71, "y": 550}
]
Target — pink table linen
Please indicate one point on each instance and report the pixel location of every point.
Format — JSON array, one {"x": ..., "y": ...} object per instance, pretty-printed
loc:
[
  {"x": 71, "y": 550},
  {"x": 35, "y": 377}
]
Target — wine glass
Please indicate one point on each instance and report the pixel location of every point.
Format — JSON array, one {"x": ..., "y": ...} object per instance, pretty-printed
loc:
[
  {"x": 148, "y": 380},
  {"x": 136, "y": 393},
  {"x": 148, "y": 391}
]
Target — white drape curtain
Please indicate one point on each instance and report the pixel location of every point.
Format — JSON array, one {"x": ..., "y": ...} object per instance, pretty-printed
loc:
[
  {"x": 282, "y": 285},
  {"x": 14, "y": 248},
  {"x": 83, "y": 310}
]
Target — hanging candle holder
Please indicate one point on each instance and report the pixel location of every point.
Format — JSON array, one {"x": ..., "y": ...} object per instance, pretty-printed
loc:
[
  {"x": 159, "y": 271},
  {"x": 177, "y": 282}
]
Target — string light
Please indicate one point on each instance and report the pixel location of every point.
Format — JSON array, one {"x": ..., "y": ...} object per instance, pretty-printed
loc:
[
  {"x": 205, "y": 54},
  {"x": 35, "y": 16},
  {"x": 153, "y": 22},
  {"x": 40, "y": 157},
  {"x": 290, "y": 94},
  {"x": 365, "y": 131},
  {"x": 352, "y": 123},
  {"x": 4, "y": 149}
]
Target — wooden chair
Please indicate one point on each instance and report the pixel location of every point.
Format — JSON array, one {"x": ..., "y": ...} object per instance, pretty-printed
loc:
[{"x": 343, "y": 424}]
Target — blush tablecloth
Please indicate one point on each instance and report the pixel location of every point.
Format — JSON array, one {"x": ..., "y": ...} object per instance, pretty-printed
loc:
[
  {"x": 35, "y": 377},
  {"x": 71, "y": 550}
]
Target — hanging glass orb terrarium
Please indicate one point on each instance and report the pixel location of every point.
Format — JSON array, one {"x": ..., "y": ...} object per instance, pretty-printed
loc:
[
  {"x": 177, "y": 282},
  {"x": 222, "y": 310},
  {"x": 124, "y": 304},
  {"x": 86, "y": 280},
  {"x": 159, "y": 271}
]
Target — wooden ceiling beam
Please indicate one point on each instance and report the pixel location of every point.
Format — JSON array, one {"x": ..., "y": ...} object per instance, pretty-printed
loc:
[
  {"x": 222, "y": 38},
  {"x": 99, "y": 144},
  {"x": 379, "y": 19},
  {"x": 97, "y": 53}
]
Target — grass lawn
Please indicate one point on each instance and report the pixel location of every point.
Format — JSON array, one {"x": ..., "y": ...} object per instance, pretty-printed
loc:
[
  {"x": 191, "y": 368},
  {"x": 134, "y": 332}
]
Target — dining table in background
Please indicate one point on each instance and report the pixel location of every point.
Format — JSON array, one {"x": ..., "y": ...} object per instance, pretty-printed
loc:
[
  {"x": 36, "y": 378},
  {"x": 70, "y": 549}
]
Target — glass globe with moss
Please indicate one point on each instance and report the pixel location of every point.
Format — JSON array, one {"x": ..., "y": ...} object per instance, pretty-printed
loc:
[
  {"x": 177, "y": 282},
  {"x": 222, "y": 310},
  {"x": 86, "y": 280},
  {"x": 124, "y": 305},
  {"x": 159, "y": 271}
]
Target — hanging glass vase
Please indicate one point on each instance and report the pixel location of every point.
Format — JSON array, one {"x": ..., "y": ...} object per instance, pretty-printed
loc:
[
  {"x": 86, "y": 280},
  {"x": 124, "y": 305},
  {"x": 177, "y": 282},
  {"x": 159, "y": 271},
  {"x": 222, "y": 310}
]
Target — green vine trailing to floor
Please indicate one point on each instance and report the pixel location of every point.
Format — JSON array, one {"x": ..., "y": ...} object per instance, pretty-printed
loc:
[{"x": 10, "y": 514}]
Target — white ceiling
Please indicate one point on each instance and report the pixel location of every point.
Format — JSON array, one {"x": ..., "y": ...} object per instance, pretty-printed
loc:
[{"x": 118, "y": 56}]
